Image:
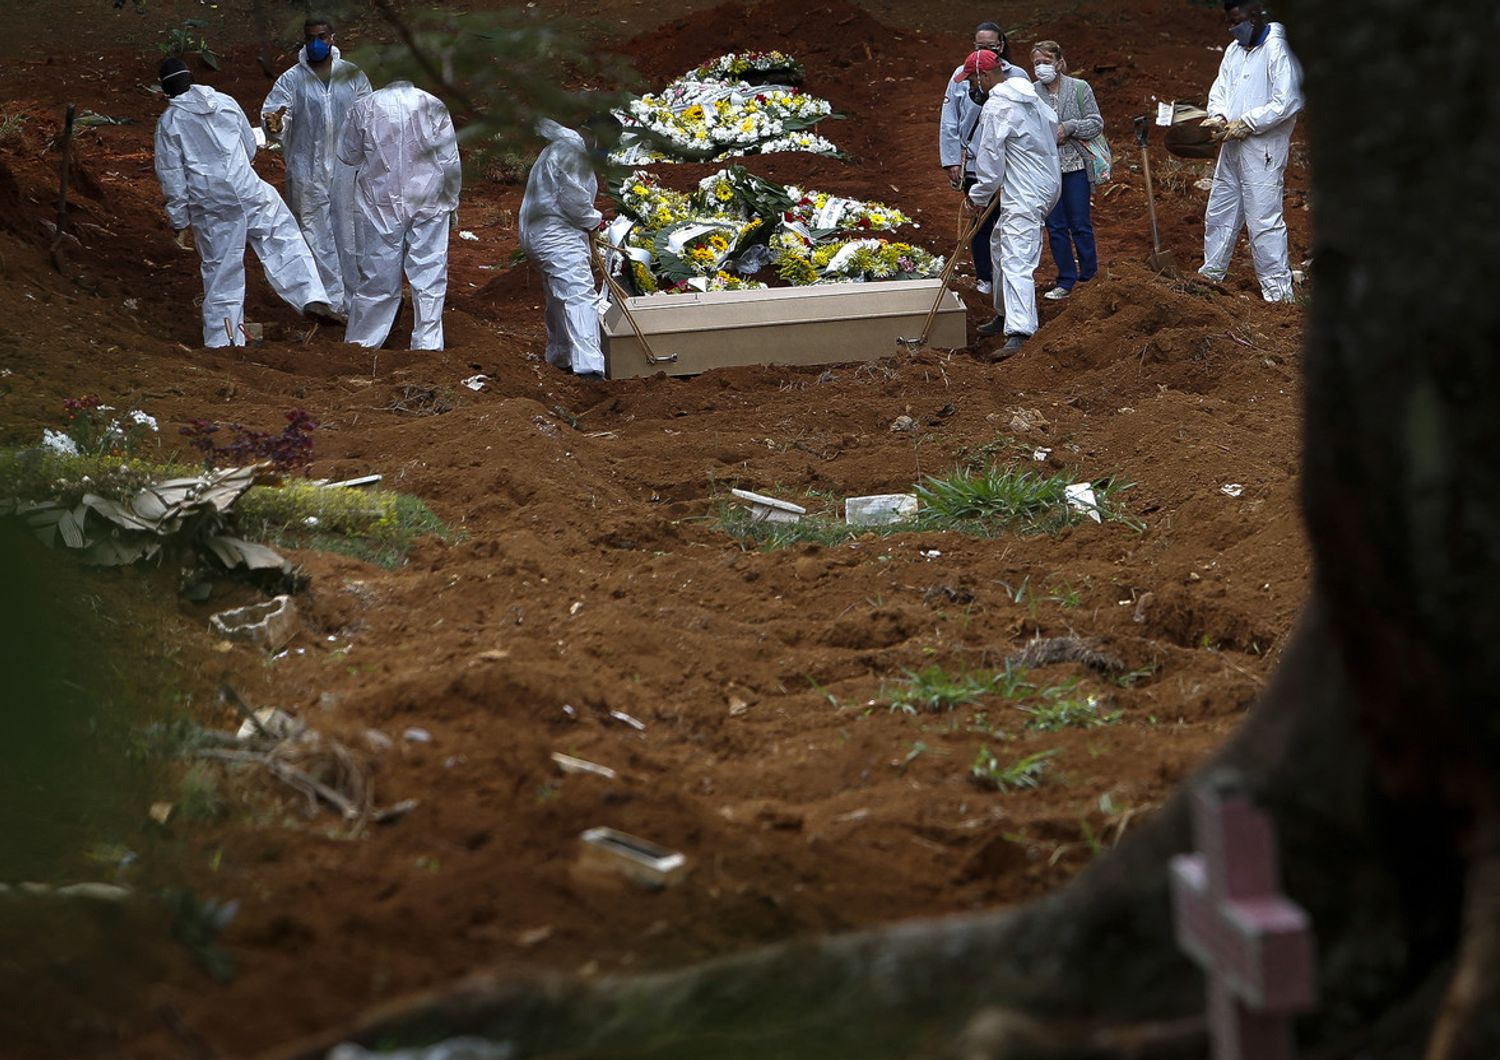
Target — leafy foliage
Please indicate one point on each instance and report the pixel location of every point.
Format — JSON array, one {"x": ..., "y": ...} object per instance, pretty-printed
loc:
[
  {"x": 188, "y": 39},
  {"x": 1058, "y": 712},
  {"x": 500, "y": 72},
  {"x": 375, "y": 525},
  {"x": 287, "y": 451},
  {"x": 1022, "y": 773}
]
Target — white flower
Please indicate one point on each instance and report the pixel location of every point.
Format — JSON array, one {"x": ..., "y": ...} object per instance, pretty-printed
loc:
[
  {"x": 139, "y": 417},
  {"x": 58, "y": 442}
]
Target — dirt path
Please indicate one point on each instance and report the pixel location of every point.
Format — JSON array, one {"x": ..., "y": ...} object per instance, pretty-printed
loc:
[{"x": 590, "y": 576}]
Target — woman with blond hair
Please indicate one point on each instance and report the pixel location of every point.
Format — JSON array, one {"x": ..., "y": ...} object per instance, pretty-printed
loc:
[{"x": 1070, "y": 226}]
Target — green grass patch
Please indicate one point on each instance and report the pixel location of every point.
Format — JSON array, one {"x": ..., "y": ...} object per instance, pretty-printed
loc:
[
  {"x": 934, "y": 690},
  {"x": 200, "y": 798},
  {"x": 985, "y": 503},
  {"x": 1058, "y": 710},
  {"x": 1020, "y": 774},
  {"x": 379, "y": 526}
]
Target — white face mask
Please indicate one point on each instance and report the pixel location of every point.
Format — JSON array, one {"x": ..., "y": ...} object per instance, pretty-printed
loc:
[{"x": 1046, "y": 73}]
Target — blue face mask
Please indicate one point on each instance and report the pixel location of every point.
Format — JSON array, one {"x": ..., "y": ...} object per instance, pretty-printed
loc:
[
  {"x": 318, "y": 49},
  {"x": 1243, "y": 33}
]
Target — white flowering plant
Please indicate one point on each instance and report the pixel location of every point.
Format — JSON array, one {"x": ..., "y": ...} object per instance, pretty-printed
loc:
[
  {"x": 821, "y": 213},
  {"x": 91, "y": 431},
  {"x": 736, "y": 224},
  {"x": 712, "y": 116},
  {"x": 752, "y": 66},
  {"x": 855, "y": 261}
]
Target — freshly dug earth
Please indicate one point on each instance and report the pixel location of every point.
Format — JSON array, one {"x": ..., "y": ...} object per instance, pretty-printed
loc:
[{"x": 588, "y": 573}]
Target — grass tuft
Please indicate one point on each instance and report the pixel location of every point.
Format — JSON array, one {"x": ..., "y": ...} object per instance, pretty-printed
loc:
[
  {"x": 1020, "y": 774},
  {"x": 1076, "y": 713},
  {"x": 980, "y": 503},
  {"x": 199, "y": 797}
]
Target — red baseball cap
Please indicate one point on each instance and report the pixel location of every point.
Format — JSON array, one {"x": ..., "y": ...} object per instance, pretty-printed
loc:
[{"x": 980, "y": 60}]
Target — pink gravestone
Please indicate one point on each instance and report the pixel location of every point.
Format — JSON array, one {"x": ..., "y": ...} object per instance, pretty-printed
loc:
[{"x": 1254, "y": 946}]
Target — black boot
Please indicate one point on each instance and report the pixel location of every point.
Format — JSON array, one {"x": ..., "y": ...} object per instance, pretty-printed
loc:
[{"x": 994, "y": 327}]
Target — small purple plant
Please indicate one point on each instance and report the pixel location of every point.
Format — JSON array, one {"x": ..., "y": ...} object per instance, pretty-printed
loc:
[{"x": 287, "y": 451}]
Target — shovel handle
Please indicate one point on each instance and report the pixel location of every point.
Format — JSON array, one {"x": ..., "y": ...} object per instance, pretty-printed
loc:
[{"x": 1150, "y": 199}]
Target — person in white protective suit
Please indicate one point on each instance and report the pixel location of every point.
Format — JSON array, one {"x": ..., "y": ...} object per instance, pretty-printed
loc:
[
  {"x": 1016, "y": 158},
  {"x": 406, "y": 197},
  {"x": 1253, "y": 108},
  {"x": 958, "y": 129},
  {"x": 306, "y": 109},
  {"x": 204, "y": 144},
  {"x": 557, "y": 221}
]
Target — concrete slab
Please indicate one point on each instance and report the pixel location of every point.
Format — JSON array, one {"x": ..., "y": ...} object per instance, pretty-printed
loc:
[{"x": 826, "y": 324}]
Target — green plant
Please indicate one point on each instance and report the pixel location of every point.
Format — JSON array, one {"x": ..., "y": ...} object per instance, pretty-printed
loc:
[
  {"x": 11, "y": 127},
  {"x": 1068, "y": 714},
  {"x": 188, "y": 39},
  {"x": 90, "y": 431},
  {"x": 1136, "y": 676},
  {"x": 1017, "y": 595},
  {"x": 1023, "y": 498},
  {"x": 199, "y": 797},
  {"x": 833, "y": 700},
  {"x": 1064, "y": 595},
  {"x": 917, "y": 750},
  {"x": 1022, "y": 773},
  {"x": 374, "y": 525},
  {"x": 934, "y": 689}
]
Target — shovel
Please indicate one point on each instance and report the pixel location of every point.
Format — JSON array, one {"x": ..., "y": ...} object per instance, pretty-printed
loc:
[{"x": 1162, "y": 261}]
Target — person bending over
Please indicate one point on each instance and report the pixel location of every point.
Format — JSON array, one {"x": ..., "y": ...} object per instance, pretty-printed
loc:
[{"x": 204, "y": 144}]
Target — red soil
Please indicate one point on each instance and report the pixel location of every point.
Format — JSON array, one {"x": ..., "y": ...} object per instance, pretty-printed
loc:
[{"x": 589, "y": 572}]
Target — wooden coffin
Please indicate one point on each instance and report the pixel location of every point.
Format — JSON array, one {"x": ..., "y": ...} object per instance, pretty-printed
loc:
[{"x": 778, "y": 325}]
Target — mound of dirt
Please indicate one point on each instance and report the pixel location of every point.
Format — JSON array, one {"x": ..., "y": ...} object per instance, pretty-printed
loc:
[{"x": 589, "y": 573}]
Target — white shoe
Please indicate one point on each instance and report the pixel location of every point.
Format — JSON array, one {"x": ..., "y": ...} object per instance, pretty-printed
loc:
[
  {"x": 983, "y": 288},
  {"x": 1057, "y": 294}
]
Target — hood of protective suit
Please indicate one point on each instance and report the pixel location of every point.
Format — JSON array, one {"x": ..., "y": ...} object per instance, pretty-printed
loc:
[
  {"x": 556, "y": 132},
  {"x": 198, "y": 99},
  {"x": 1017, "y": 89},
  {"x": 560, "y": 189}
]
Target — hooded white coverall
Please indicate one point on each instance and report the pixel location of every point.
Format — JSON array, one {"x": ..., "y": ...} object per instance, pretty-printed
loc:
[
  {"x": 204, "y": 144},
  {"x": 320, "y": 188},
  {"x": 557, "y": 221},
  {"x": 1016, "y": 158},
  {"x": 402, "y": 142},
  {"x": 1260, "y": 86}
]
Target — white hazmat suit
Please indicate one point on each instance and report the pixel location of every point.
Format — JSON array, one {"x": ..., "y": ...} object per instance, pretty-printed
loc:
[
  {"x": 320, "y": 188},
  {"x": 401, "y": 141},
  {"x": 204, "y": 144},
  {"x": 1016, "y": 158},
  {"x": 1261, "y": 87},
  {"x": 557, "y": 221}
]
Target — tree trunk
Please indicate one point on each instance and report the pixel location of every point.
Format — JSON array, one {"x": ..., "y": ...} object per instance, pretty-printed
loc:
[{"x": 1375, "y": 747}]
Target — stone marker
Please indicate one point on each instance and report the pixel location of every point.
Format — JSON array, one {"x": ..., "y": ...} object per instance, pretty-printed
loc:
[{"x": 1254, "y": 945}]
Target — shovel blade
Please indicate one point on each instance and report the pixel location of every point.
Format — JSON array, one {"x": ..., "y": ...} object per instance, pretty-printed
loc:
[{"x": 1165, "y": 263}]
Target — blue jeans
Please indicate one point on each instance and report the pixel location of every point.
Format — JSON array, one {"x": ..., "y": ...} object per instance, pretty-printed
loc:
[
  {"x": 979, "y": 246},
  {"x": 1070, "y": 227}
]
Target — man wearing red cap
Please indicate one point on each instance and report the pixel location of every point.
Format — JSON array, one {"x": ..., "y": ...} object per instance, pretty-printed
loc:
[
  {"x": 957, "y": 127},
  {"x": 1015, "y": 158}
]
